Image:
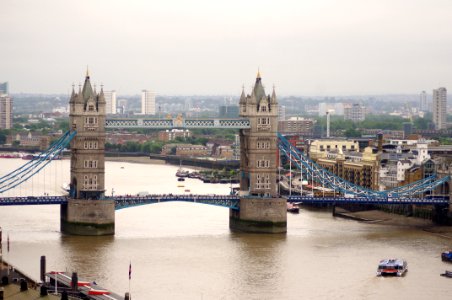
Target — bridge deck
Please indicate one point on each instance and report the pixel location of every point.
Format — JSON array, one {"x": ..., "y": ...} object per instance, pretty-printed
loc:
[
  {"x": 221, "y": 200},
  {"x": 370, "y": 200}
]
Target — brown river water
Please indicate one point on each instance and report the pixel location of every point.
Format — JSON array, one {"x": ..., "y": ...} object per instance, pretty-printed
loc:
[{"x": 186, "y": 250}]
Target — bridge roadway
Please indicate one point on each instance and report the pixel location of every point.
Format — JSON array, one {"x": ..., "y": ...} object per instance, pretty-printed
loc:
[{"x": 222, "y": 200}]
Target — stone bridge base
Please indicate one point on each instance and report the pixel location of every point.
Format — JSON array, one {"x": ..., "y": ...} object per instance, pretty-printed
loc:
[
  {"x": 259, "y": 215},
  {"x": 88, "y": 217}
]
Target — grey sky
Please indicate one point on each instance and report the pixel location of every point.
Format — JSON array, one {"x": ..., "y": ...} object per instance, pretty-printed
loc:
[{"x": 316, "y": 47}]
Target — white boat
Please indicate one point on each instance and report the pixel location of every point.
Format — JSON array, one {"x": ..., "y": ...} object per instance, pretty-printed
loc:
[{"x": 395, "y": 266}]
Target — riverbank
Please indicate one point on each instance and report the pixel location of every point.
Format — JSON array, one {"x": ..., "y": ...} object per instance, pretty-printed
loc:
[
  {"x": 384, "y": 218},
  {"x": 12, "y": 290},
  {"x": 135, "y": 159}
]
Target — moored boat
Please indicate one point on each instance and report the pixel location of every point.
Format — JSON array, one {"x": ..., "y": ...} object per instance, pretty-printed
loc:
[
  {"x": 447, "y": 274},
  {"x": 397, "y": 267},
  {"x": 446, "y": 256},
  {"x": 292, "y": 208},
  {"x": 180, "y": 179}
]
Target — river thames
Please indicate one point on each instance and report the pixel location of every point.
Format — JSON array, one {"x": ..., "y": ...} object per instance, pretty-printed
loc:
[{"x": 186, "y": 250}]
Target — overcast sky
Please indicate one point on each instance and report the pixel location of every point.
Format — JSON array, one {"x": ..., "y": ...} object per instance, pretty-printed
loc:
[{"x": 318, "y": 47}]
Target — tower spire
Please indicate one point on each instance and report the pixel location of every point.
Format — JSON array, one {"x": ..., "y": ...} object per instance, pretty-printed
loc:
[
  {"x": 258, "y": 73},
  {"x": 87, "y": 71}
]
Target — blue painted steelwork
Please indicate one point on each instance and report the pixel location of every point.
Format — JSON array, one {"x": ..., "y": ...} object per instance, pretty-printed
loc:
[
  {"x": 220, "y": 200},
  {"x": 33, "y": 167},
  {"x": 217, "y": 200},
  {"x": 239, "y": 123},
  {"x": 336, "y": 183},
  {"x": 368, "y": 200},
  {"x": 31, "y": 200}
]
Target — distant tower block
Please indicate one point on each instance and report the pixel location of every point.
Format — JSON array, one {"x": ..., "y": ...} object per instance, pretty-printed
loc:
[
  {"x": 86, "y": 213},
  {"x": 261, "y": 209},
  {"x": 328, "y": 124}
]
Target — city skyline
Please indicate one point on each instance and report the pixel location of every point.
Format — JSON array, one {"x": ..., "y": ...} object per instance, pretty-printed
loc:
[{"x": 175, "y": 48}]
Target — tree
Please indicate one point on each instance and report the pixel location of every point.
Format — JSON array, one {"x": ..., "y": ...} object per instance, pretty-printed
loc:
[
  {"x": 2, "y": 137},
  {"x": 352, "y": 133}
]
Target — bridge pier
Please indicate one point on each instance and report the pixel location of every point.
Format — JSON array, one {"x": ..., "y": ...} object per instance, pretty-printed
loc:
[
  {"x": 88, "y": 217},
  {"x": 259, "y": 215}
]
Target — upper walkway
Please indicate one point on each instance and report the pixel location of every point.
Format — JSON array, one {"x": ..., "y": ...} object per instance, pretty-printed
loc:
[{"x": 179, "y": 122}]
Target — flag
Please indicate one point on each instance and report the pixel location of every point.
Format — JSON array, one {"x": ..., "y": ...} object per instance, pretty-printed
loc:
[
  {"x": 130, "y": 270},
  {"x": 7, "y": 243}
]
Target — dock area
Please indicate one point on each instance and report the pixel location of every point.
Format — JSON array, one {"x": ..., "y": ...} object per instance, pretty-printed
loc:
[
  {"x": 85, "y": 289},
  {"x": 16, "y": 285}
]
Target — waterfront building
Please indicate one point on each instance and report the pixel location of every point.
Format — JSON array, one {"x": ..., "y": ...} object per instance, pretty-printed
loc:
[
  {"x": 355, "y": 112},
  {"x": 110, "y": 99},
  {"x": 345, "y": 161},
  {"x": 28, "y": 139},
  {"x": 186, "y": 150},
  {"x": 117, "y": 138},
  {"x": 319, "y": 147},
  {"x": 423, "y": 105},
  {"x": 404, "y": 165},
  {"x": 148, "y": 102},
  {"x": 224, "y": 151},
  {"x": 171, "y": 135},
  {"x": 6, "y": 111},
  {"x": 439, "y": 108}
]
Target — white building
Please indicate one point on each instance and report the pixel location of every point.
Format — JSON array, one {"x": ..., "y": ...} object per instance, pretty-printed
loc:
[
  {"x": 423, "y": 106},
  {"x": 148, "y": 102},
  {"x": 110, "y": 98},
  {"x": 439, "y": 108},
  {"x": 355, "y": 112}
]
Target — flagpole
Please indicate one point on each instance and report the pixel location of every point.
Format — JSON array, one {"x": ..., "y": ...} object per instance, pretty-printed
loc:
[{"x": 130, "y": 275}]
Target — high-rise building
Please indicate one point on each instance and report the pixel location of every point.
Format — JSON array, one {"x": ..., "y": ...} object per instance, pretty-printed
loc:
[
  {"x": 282, "y": 113},
  {"x": 148, "y": 102},
  {"x": 4, "y": 89},
  {"x": 355, "y": 112},
  {"x": 110, "y": 98},
  {"x": 439, "y": 108},
  {"x": 6, "y": 111},
  {"x": 407, "y": 129},
  {"x": 423, "y": 106}
]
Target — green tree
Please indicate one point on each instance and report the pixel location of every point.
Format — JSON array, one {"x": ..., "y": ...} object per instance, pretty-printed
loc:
[
  {"x": 352, "y": 133},
  {"x": 2, "y": 137}
]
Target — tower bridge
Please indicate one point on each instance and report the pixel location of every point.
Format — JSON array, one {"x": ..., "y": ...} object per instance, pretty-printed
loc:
[{"x": 258, "y": 207}]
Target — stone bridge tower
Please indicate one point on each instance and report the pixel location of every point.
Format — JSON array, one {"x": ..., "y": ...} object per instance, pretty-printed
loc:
[
  {"x": 261, "y": 209},
  {"x": 86, "y": 212}
]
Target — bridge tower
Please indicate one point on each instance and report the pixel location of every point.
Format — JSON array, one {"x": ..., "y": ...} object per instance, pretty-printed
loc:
[
  {"x": 261, "y": 209},
  {"x": 86, "y": 213}
]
